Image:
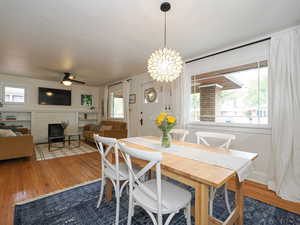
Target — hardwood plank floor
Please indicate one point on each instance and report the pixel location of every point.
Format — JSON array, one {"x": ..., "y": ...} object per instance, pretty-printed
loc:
[
  {"x": 260, "y": 192},
  {"x": 23, "y": 179}
]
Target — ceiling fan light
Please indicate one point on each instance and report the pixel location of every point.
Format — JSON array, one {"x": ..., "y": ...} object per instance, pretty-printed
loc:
[
  {"x": 67, "y": 82},
  {"x": 71, "y": 77}
]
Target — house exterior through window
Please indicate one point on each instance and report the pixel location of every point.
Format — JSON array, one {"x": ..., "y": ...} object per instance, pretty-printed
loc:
[
  {"x": 116, "y": 101},
  {"x": 14, "y": 95},
  {"x": 236, "y": 95}
]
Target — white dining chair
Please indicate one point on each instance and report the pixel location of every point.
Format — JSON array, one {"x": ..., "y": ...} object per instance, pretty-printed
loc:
[
  {"x": 179, "y": 134},
  {"x": 155, "y": 196},
  {"x": 115, "y": 172},
  {"x": 227, "y": 138}
]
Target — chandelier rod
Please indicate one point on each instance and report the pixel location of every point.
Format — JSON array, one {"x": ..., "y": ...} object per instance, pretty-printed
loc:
[{"x": 165, "y": 31}]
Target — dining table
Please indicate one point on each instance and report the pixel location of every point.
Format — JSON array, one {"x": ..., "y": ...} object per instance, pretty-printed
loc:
[{"x": 199, "y": 175}]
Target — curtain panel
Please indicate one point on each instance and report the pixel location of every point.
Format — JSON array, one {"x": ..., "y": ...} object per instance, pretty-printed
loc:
[
  {"x": 181, "y": 91},
  {"x": 126, "y": 91},
  {"x": 105, "y": 113},
  {"x": 284, "y": 172}
]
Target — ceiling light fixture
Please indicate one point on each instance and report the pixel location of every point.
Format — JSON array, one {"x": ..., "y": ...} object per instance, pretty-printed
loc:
[
  {"x": 67, "y": 82},
  {"x": 165, "y": 64}
]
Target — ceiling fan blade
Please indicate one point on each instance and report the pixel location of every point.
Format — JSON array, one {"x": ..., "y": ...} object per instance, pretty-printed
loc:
[{"x": 78, "y": 81}]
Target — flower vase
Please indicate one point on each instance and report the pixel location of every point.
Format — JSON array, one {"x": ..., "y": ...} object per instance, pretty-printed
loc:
[{"x": 166, "y": 140}]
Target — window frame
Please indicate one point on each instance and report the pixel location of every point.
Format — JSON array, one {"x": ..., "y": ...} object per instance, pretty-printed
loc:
[
  {"x": 14, "y": 86},
  {"x": 109, "y": 104},
  {"x": 236, "y": 125}
]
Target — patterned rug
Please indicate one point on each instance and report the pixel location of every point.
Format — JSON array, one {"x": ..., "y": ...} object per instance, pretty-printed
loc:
[
  {"x": 42, "y": 152},
  {"x": 77, "y": 206}
]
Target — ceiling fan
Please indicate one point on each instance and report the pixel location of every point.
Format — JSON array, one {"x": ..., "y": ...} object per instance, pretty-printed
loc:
[{"x": 69, "y": 78}]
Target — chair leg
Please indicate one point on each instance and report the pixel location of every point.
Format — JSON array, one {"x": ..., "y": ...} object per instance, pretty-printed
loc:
[
  {"x": 212, "y": 192},
  {"x": 159, "y": 219},
  {"x": 101, "y": 192},
  {"x": 227, "y": 198},
  {"x": 188, "y": 214},
  {"x": 118, "y": 202},
  {"x": 130, "y": 210}
]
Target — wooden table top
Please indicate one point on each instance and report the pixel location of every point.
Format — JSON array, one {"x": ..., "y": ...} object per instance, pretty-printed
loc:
[{"x": 205, "y": 173}]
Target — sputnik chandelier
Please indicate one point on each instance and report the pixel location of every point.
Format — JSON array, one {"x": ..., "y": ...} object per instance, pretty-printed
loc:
[{"x": 165, "y": 65}]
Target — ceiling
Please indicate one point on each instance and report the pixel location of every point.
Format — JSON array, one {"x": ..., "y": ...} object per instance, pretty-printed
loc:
[{"x": 103, "y": 41}]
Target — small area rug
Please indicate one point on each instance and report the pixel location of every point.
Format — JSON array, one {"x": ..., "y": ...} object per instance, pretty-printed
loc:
[
  {"x": 42, "y": 152},
  {"x": 77, "y": 206}
]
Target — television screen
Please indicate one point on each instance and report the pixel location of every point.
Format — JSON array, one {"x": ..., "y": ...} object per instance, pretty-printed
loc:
[{"x": 49, "y": 96}]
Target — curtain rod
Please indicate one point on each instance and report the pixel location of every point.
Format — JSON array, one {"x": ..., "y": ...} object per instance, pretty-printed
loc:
[{"x": 228, "y": 50}]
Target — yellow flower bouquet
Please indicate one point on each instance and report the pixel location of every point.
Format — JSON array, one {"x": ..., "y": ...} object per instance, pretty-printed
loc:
[{"x": 165, "y": 122}]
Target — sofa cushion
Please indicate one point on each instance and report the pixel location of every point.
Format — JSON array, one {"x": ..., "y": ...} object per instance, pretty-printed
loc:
[
  {"x": 105, "y": 127},
  {"x": 116, "y": 125},
  {"x": 6, "y": 133}
]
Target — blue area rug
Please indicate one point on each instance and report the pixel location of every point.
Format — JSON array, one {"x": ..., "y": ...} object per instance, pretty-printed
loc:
[{"x": 78, "y": 207}]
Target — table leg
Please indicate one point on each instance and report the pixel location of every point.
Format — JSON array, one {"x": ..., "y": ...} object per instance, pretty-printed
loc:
[
  {"x": 109, "y": 185},
  {"x": 239, "y": 198},
  {"x": 108, "y": 190},
  {"x": 201, "y": 204}
]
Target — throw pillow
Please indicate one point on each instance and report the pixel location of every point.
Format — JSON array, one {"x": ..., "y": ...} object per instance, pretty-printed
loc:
[{"x": 6, "y": 133}]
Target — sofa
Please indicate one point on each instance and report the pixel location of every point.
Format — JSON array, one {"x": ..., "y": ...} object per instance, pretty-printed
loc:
[
  {"x": 17, "y": 146},
  {"x": 107, "y": 128}
]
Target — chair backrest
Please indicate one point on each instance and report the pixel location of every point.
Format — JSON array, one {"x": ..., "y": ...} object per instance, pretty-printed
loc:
[
  {"x": 226, "y": 137},
  {"x": 179, "y": 134},
  {"x": 153, "y": 159},
  {"x": 111, "y": 145}
]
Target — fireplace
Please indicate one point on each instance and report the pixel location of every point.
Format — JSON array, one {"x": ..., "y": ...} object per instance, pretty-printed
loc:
[{"x": 55, "y": 134}]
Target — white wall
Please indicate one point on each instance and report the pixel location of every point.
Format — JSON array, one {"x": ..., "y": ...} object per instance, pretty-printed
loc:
[
  {"x": 42, "y": 115},
  {"x": 32, "y": 86}
]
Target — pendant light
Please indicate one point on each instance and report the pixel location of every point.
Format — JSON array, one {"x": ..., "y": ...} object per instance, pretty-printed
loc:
[{"x": 165, "y": 65}]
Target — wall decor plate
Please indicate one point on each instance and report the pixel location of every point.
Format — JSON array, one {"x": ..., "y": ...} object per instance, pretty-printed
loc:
[
  {"x": 150, "y": 95},
  {"x": 132, "y": 98}
]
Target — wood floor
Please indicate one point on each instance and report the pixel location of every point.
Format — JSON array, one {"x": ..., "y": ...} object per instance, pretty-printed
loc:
[{"x": 24, "y": 179}]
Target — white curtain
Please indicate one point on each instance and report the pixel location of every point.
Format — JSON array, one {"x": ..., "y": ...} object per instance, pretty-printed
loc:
[
  {"x": 105, "y": 102},
  {"x": 284, "y": 174},
  {"x": 126, "y": 91},
  {"x": 181, "y": 90}
]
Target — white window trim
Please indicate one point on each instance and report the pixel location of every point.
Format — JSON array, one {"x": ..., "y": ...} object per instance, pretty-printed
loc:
[
  {"x": 237, "y": 125},
  {"x": 14, "y": 103}
]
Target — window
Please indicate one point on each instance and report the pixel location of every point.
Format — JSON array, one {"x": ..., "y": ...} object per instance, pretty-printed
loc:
[
  {"x": 116, "y": 102},
  {"x": 236, "y": 95},
  {"x": 14, "y": 95}
]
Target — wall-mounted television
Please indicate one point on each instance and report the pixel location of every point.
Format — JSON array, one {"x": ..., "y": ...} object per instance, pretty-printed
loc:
[{"x": 49, "y": 96}]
